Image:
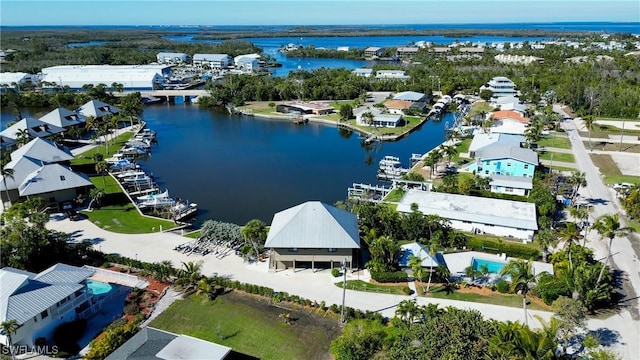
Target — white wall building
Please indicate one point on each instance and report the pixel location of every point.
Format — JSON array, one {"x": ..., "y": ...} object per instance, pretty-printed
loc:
[
  {"x": 11, "y": 79},
  {"x": 391, "y": 74},
  {"x": 379, "y": 119},
  {"x": 213, "y": 61},
  {"x": 172, "y": 58},
  {"x": 132, "y": 77},
  {"x": 500, "y": 86},
  {"x": 476, "y": 214}
]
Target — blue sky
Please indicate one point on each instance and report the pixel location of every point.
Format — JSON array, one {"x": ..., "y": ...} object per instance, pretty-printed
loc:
[{"x": 310, "y": 12}]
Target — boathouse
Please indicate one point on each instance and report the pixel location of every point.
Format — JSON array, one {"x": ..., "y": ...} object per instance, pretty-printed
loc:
[{"x": 313, "y": 235}]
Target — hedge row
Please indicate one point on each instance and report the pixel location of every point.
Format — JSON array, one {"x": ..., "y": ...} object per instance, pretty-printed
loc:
[
  {"x": 390, "y": 277},
  {"x": 507, "y": 247}
]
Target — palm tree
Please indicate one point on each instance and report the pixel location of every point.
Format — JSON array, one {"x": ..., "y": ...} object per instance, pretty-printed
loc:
[
  {"x": 415, "y": 263},
  {"x": 521, "y": 274},
  {"x": 189, "y": 276},
  {"x": 255, "y": 232},
  {"x": 570, "y": 233},
  {"x": 504, "y": 343},
  {"x": 546, "y": 238},
  {"x": 23, "y": 136},
  {"x": 91, "y": 123},
  {"x": 9, "y": 328},
  {"x": 448, "y": 151},
  {"x": 101, "y": 168},
  {"x": 96, "y": 196},
  {"x": 6, "y": 173},
  {"x": 162, "y": 270},
  {"x": 205, "y": 287},
  {"x": 408, "y": 311},
  {"x": 608, "y": 226},
  {"x": 576, "y": 180},
  {"x": 368, "y": 117},
  {"x": 588, "y": 123}
]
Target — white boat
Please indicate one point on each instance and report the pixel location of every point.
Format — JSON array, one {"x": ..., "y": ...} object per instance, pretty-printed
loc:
[
  {"x": 147, "y": 134},
  {"x": 157, "y": 203},
  {"x": 137, "y": 179},
  {"x": 130, "y": 173},
  {"x": 149, "y": 197},
  {"x": 115, "y": 158},
  {"x": 122, "y": 165},
  {"x": 142, "y": 143},
  {"x": 390, "y": 167},
  {"x": 133, "y": 150}
]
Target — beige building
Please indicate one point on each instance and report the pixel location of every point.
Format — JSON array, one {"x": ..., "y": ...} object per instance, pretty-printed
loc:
[{"x": 313, "y": 234}]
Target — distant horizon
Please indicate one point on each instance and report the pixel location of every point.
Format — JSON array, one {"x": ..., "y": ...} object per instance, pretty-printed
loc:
[{"x": 204, "y": 13}]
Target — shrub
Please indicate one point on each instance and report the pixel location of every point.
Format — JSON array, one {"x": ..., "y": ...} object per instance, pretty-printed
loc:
[
  {"x": 132, "y": 309},
  {"x": 551, "y": 288},
  {"x": 390, "y": 277},
  {"x": 406, "y": 290},
  {"x": 335, "y": 272},
  {"x": 502, "y": 286}
]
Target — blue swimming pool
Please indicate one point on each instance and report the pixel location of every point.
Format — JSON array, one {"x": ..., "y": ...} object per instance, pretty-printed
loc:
[
  {"x": 494, "y": 266},
  {"x": 98, "y": 287}
]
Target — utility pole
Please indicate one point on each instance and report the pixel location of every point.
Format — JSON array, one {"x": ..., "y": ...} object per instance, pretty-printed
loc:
[
  {"x": 344, "y": 288},
  {"x": 621, "y": 135}
]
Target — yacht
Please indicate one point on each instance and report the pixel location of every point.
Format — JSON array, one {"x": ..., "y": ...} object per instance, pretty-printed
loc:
[
  {"x": 149, "y": 197},
  {"x": 137, "y": 179},
  {"x": 157, "y": 203}
]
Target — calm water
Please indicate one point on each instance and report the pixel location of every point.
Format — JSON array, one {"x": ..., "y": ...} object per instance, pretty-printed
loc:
[{"x": 239, "y": 168}]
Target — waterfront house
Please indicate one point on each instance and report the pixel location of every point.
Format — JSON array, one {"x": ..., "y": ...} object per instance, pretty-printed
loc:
[
  {"x": 500, "y": 86},
  {"x": 364, "y": 72},
  {"x": 513, "y": 185},
  {"x": 406, "y": 52},
  {"x": 483, "y": 140},
  {"x": 389, "y": 120},
  {"x": 504, "y": 159},
  {"x": 397, "y": 106},
  {"x": 439, "y": 50},
  {"x": 304, "y": 107},
  {"x": 412, "y": 96},
  {"x": 63, "y": 118},
  {"x": 476, "y": 214},
  {"x": 373, "y": 51},
  {"x": 150, "y": 343},
  {"x": 97, "y": 109},
  {"x": 518, "y": 59},
  {"x": 131, "y": 77},
  {"x": 313, "y": 234},
  {"x": 34, "y": 127},
  {"x": 172, "y": 58},
  {"x": 212, "y": 61},
  {"x": 44, "y": 151},
  {"x": 248, "y": 62},
  {"x": 511, "y": 115},
  {"x": 391, "y": 74},
  {"x": 41, "y": 302}
]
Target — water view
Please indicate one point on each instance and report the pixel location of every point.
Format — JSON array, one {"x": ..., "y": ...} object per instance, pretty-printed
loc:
[{"x": 237, "y": 168}]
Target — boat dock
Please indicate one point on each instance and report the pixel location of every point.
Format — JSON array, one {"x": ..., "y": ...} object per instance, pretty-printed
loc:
[{"x": 368, "y": 192}]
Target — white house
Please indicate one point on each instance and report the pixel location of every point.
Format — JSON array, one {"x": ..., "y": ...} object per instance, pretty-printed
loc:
[
  {"x": 13, "y": 79},
  {"x": 379, "y": 119},
  {"x": 372, "y": 51},
  {"x": 41, "y": 302},
  {"x": 500, "y": 86},
  {"x": 391, "y": 74},
  {"x": 514, "y": 185},
  {"x": 364, "y": 72},
  {"x": 250, "y": 62},
  {"x": 214, "y": 61},
  {"x": 476, "y": 214}
]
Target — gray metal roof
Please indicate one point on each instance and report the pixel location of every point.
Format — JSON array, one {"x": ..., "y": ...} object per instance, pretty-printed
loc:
[
  {"x": 416, "y": 249},
  {"x": 21, "y": 167},
  {"x": 24, "y": 295},
  {"x": 52, "y": 177},
  {"x": 499, "y": 151},
  {"x": 519, "y": 182},
  {"x": 63, "y": 118},
  {"x": 64, "y": 274},
  {"x": 481, "y": 140},
  {"x": 35, "y": 128},
  {"x": 153, "y": 344},
  {"x": 44, "y": 150},
  {"x": 314, "y": 225},
  {"x": 6, "y": 141},
  {"x": 409, "y": 96},
  {"x": 210, "y": 57},
  {"x": 505, "y": 213},
  {"x": 98, "y": 109}
]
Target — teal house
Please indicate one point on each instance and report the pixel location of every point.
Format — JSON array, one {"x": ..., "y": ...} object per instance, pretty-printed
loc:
[{"x": 502, "y": 159}]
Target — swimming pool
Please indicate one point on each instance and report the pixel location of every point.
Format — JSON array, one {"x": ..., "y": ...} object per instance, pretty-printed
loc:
[
  {"x": 98, "y": 288},
  {"x": 494, "y": 266}
]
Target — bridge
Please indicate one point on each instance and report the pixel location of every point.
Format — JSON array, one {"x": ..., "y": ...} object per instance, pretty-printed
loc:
[{"x": 188, "y": 95}]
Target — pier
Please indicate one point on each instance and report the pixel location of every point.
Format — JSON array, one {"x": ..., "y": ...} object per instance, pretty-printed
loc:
[{"x": 368, "y": 192}]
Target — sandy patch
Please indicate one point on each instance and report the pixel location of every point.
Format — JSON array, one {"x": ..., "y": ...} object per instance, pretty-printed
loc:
[
  {"x": 629, "y": 164},
  {"x": 628, "y": 125}
]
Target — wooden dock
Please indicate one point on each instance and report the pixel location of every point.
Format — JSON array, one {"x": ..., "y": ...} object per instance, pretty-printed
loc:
[{"x": 368, "y": 192}]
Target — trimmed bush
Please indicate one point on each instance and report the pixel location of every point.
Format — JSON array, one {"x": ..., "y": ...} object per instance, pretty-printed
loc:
[
  {"x": 406, "y": 290},
  {"x": 502, "y": 286},
  {"x": 390, "y": 277},
  {"x": 335, "y": 272},
  {"x": 132, "y": 309},
  {"x": 551, "y": 288},
  {"x": 510, "y": 248}
]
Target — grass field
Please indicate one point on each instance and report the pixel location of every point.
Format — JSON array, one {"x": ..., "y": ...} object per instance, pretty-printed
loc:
[
  {"x": 488, "y": 297},
  {"x": 560, "y": 142},
  {"x": 610, "y": 170},
  {"x": 395, "y": 195},
  {"x": 360, "y": 285},
  {"x": 107, "y": 183},
  {"x": 124, "y": 218},
  {"x": 251, "y": 326},
  {"x": 610, "y": 146},
  {"x": 114, "y": 145},
  {"x": 561, "y": 157},
  {"x": 461, "y": 147},
  {"x": 563, "y": 168},
  {"x": 480, "y": 106}
]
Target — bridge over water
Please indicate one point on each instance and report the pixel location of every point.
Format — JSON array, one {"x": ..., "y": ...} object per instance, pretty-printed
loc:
[{"x": 188, "y": 95}]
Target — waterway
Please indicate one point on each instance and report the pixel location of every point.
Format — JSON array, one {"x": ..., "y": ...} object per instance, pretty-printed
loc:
[{"x": 238, "y": 168}]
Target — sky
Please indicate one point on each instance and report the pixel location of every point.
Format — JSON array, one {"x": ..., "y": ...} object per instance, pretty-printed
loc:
[{"x": 311, "y": 12}]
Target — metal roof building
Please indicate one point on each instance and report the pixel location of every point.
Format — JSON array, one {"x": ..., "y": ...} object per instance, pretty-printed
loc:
[
  {"x": 482, "y": 140},
  {"x": 97, "y": 109},
  {"x": 35, "y": 128},
  {"x": 43, "y": 150},
  {"x": 471, "y": 213},
  {"x": 63, "y": 118},
  {"x": 132, "y": 77},
  {"x": 11, "y": 78},
  {"x": 409, "y": 96},
  {"x": 499, "y": 151},
  {"x": 52, "y": 178}
]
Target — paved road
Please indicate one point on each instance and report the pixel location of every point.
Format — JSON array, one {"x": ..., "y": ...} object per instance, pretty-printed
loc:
[{"x": 625, "y": 250}]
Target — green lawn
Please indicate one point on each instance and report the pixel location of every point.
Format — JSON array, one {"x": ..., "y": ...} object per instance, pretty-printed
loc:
[
  {"x": 561, "y": 142},
  {"x": 114, "y": 145},
  {"x": 461, "y": 147},
  {"x": 563, "y": 168},
  {"x": 249, "y": 326},
  {"x": 613, "y": 179},
  {"x": 494, "y": 298},
  {"x": 610, "y": 170},
  {"x": 360, "y": 285},
  {"x": 109, "y": 184},
  {"x": 395, "y": 195},
  {"x": 125, "y": 219},
  {"x": 480, "y": 106},
  {"x": 410, "y": 123},
  {"x": 193, "y": 234},
  {"x": 562, "y": 157}
]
